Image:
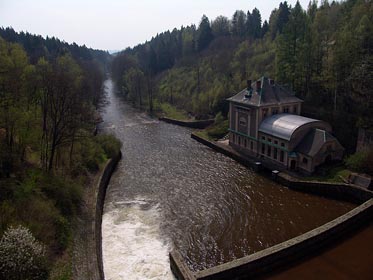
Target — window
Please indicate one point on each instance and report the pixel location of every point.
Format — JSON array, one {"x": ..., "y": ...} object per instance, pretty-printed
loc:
[
  {"x": 282, "y": 156},
  {"x": 282, "y": 144},
  {"x": 274, "y": 111},
  {"x": 242, "y": 121},
  {"x": 286, "y": 109},
  {"x": 295, "y": 110},
  {"x": 263, "y": 138},
  {"x": 245, "y": 143},
  {"x": 264, "y": 113},
  {"x": 269, "y": 149},
  {"x": 275, "y": 153},
  {"x": 269, "y": 140},
  {"x": 263, "y": 148},
  {"x": 251, "y": 145},
  {"x": 234, "y": 138},
  {"x": 276, "y": 142},
  {"x": 239, "y": 140},
  {"x": 305, "y": 160}
]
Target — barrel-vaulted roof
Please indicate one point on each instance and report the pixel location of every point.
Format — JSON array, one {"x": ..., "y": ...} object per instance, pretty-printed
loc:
[
  {"x": 284, "y": 125},
  {"x": 314, "y": 140},
  {"x": 265, "y": 92}
]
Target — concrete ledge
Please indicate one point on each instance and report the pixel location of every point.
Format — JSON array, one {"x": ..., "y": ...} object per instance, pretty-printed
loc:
[
  {"x": 179, "y": 268},
  {"x": 101, "y": 187},
  {"x": 340, "y": 191},
  {"x": 193, "y": 124},
  {"x": 284, "y": 253}
]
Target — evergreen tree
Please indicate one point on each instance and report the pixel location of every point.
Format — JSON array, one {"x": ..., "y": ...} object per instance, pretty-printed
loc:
[{"x": 205, "y": 35}]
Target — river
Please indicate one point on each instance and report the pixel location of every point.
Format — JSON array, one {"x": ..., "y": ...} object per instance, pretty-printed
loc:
[{"x": 170, "y": 190}]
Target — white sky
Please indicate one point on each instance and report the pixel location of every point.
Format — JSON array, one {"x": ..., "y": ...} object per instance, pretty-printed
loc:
[{"x": 117, "y": 24}]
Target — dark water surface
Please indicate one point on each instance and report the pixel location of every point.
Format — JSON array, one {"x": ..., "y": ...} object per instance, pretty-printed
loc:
[{"x": 170, "y": 190}]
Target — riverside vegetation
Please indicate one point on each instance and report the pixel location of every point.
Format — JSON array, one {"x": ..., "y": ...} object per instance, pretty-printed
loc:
[
  {"x": 323, "y": 53},
  {"x": 49, "y": 93}
]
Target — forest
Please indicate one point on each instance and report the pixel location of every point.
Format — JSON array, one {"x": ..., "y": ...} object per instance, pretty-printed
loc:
[
  {"x": 49, "y": 95},
  {"x": 322, "y": 52}
]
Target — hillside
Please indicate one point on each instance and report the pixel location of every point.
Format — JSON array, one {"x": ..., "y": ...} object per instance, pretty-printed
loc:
[{"x": 323, "y": 53}]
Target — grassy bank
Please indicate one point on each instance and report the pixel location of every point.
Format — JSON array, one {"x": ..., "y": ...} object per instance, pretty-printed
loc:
[
  {"x": 169, "y": 111},
  {"x": 216, "y": 131},
  {"x": 332, "y": 174}
]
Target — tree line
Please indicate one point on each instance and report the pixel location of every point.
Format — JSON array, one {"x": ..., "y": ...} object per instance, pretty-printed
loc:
[{"x": 323, "y": 53}]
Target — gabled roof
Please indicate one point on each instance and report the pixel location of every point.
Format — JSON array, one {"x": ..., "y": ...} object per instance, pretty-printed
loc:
[
  {"x": 268, "y": 94},
  {"x": 284, "y": 125},
  {"x": 313, "y": 142}
]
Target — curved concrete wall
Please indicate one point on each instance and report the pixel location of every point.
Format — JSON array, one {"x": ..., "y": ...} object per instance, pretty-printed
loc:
[
  {"x": 101, "y": 187},
  {"x": 265, "y": 261}
]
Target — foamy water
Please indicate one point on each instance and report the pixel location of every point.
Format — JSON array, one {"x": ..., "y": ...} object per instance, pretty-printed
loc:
[{"x": 132, "y": 235}]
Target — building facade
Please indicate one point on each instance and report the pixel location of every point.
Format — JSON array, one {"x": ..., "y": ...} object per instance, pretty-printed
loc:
[{"x": 265, "y": 122}]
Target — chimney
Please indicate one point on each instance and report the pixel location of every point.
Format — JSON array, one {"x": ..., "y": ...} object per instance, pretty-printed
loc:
[
  {"x": 258, "y": 85},
  {"x": 248, "y": 84}
]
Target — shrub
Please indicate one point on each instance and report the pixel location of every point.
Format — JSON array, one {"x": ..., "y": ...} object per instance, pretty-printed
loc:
[
  {"x": 22, "y": 256},
  {"x": 361, "y": 161},
  {"x": 109, "y": 144},
  {"x": 63, "y": 233}
]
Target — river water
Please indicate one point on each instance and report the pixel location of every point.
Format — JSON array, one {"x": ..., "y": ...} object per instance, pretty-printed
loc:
[{"x": 171, "y": 191}]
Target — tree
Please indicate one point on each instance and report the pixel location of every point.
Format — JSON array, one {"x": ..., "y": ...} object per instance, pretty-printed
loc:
[
  {"x": 238, "y": 23},
  {"x": 204, "y": 33},
  {"x": 22, "y": 256},
  {"x": 61, "y": 105},
  {"x": 220, "y": 26},
  {"x": 135, "y": 79},
  {"x": 290, "y": 50},
  {"x": 13, "y": 64},
  {"x": 254, "y": 24}
]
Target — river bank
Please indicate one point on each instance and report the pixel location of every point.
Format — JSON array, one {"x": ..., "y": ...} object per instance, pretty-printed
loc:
[{"x": 87, "y": 249}]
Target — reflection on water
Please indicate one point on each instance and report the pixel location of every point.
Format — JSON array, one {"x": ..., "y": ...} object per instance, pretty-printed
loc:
[{"x": 169, "y": 190}]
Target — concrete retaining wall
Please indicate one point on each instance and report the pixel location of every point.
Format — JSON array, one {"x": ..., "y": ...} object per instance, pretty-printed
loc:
[
  {"x": 338, "y": 191},
  {"x": 267, "y": 260},
  {"x": 101, "y": 187},
  {"x": 193, "y": 124},
  {"x": 291, "y": 250}
]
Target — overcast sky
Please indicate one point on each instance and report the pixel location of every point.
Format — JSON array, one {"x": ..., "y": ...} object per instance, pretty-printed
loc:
[{"x": 117, "y": 24}]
